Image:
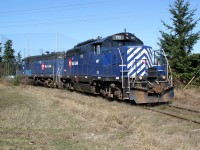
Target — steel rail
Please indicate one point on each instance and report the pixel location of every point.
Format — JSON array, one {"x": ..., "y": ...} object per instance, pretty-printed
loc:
[
  {"x": 172, "y": 115},
  {"x": 188, "y": 109}
]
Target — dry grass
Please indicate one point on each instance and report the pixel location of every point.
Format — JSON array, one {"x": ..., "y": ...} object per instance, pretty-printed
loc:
[
  {"x": 43, "y": 118},
  {"x": 189, "y": 98}
]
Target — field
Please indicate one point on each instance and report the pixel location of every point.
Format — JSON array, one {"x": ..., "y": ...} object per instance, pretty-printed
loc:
[{"x": 44, "y": 118}]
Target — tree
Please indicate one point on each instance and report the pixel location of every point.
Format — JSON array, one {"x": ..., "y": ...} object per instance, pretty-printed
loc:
[
  {"x": 18, "y": 60},
  {"x": 8, "y": 58},
  {"x": 179, "y": 42}
]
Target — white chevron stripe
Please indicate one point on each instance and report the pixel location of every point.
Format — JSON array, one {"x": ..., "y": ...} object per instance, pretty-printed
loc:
[
  {"x": 149, "y": 54},
  {"x": 129, "y": 50},
  {"x": 131, "y": 56},
  {"x": 132, "y": 66},
  {"x": 131, "y": 70},
  {"x": 135, "y": 52},
  {"x": 147, "y": 60},
  {"x": 143, "y": 73},
  {"x": 131, "y": 63}
]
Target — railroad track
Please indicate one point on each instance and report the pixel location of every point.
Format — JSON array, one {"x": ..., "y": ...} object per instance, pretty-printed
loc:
[
  {"x": 177, "y": 112},
  {"x": 178, "y": 107}
]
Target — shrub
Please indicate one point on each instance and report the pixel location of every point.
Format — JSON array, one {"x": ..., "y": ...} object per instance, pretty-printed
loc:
[{"x": 16, "y": 80}]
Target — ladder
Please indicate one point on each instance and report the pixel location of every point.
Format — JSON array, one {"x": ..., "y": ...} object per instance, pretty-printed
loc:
[
  {"x": 125, "y": 84},
  {"x": 58, "y": 75}
]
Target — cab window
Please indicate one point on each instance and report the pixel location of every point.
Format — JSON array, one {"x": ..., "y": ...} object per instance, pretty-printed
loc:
[{"x": 97, "y": 49}]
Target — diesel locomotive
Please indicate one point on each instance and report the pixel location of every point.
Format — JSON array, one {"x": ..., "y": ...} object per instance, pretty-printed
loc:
[{"x": 119, "y": 66}]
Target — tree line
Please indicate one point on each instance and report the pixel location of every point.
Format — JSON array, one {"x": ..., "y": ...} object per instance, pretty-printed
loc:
[{"x": 9, "y": 63}]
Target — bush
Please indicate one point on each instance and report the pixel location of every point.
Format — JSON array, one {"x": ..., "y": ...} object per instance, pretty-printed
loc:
[
  {"x": 181, "y": 80},
  {"x": 16, "y": 80}
]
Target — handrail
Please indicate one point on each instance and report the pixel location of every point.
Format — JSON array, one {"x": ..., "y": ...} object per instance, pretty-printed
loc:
[
  {"x": 122, "y": 67},
  {"x": 58, "y": 74},
  {"x": 168, "y": 67}
]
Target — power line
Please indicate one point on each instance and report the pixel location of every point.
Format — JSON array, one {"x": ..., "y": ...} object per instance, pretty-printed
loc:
[
  {"x": 61, "y": 7},
  {"x": 81, "y": 19},
  {"x": 72, "y": 17}
]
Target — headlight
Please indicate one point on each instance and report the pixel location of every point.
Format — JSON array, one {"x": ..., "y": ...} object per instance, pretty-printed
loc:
[
  {"x": 140, "y": 77},
  {"x": 163, "y": 77}
]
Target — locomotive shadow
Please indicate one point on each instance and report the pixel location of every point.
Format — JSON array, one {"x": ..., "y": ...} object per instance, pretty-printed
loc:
[{"x": 128, "y": 102}]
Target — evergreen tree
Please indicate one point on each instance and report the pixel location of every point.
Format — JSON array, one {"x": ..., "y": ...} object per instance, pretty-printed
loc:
[
  {"x": 18, "y": 60},
  {"x": 179, "y": 42},
  {"x": 8, "y": 58}
]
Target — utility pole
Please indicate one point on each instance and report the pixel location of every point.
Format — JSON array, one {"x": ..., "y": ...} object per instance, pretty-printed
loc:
[
  {"x": 28, "y": 45},
  {"x": 28, "y": 48},
  {"x": 56, "y": 41}
]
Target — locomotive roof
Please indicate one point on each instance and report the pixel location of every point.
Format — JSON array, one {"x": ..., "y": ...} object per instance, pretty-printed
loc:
[
  {"x": 125, "y": 35},
  {"x": 45, "y": 55},
  {"x": 99, "y": 41},
  {"x": 114, "y": 37}
]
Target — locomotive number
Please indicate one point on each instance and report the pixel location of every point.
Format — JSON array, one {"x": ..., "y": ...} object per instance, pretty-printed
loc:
[{"x": 118, "y": 37}]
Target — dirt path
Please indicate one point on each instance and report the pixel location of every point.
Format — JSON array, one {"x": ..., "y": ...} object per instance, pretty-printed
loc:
[{"x": 43, "y": 118}]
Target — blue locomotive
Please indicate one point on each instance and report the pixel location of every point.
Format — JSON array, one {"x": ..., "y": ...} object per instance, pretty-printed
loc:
[
  {"x": 119, "y": 66},
  {"x": 44, "y": 69}
]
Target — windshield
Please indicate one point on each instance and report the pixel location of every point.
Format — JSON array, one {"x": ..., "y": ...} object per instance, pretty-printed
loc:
[
  {"x": 126, "y": 43},
  {"x": 125, "y": 39}
]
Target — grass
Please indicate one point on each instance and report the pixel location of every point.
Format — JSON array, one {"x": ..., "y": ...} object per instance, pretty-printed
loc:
[
  {"x": 189, "y": 98},
  {"x": 44, "y": 118}
]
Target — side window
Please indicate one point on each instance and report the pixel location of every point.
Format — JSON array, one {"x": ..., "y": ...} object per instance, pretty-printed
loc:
[
  {"x": 107, "y": 46},
  {"x": 120, "y": 44},
  {"x": 23, "y": 62},
  {"x": 97, "y": 49},
  {"x": 70, "y": 53}
]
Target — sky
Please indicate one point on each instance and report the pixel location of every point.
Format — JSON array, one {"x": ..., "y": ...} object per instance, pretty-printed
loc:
[{"x": 36, "y": 26}]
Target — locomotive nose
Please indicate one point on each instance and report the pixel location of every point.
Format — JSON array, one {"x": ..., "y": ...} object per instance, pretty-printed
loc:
[{"x": 139, "y": 59}]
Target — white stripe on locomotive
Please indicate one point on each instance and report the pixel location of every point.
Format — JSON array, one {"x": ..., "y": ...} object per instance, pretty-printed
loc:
[{"x": 145, "y": 62}]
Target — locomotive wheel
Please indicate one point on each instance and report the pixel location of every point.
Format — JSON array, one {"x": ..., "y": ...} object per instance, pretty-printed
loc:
[
  {"x": 49, "y": 83},
  {"x": 61, "y": 86},
  {"x": 105, "y": 91},
  {"x": 118, "y": 93}
]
